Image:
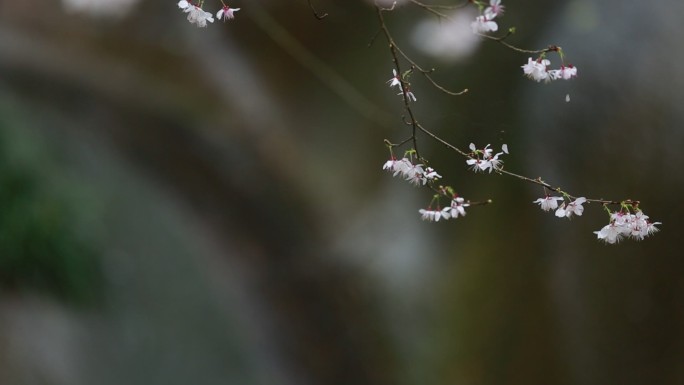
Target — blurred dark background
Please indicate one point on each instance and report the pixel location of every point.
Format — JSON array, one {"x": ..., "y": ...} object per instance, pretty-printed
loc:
[{"x": 207, "y": 206}]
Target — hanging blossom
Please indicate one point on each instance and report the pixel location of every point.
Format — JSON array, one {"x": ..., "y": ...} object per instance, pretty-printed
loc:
[
  {"x": 626, "y": 225},
  {"x": 409, "y": 94},
  {"x": 495, "y": 9},
  {"x": 565, "y": 72},
  {"x": 397, "y": 81},
  {"x": 482, "y": 160},
  {"x": 622, "y": 224},
  {"x": 226, "y": 13},
  {"x": 431, "y": 215},
  {"x": 485, "y": 22},
  {"x": 196, "y": 15},
  {"x": 455, "y": 209},
  {"x": 575, "y": 207},
  {"x": 414, "y": 173},
  {"x": 537, "y": 70},
  {"x": 548, "y": 203}
]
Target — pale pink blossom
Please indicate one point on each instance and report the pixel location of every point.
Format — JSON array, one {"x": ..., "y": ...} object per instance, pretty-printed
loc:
[
  {"x": 431, "y": 215},
  {"x": 227, "y": 13},
  {"x": 196, "y": 15},
  {"x": 457, "y": 207},
  {"x": 565, "y": 73},
  {"x": 548, "y": 203},
  {"x": 536, "y": 69},
  {"x": 395, "y": 80},
  {"x": 487, "y": 162},
  {"x": 623, "y": 224},
  {"x": 483, "y": 24},
  {"x": 495, "y": 9},
  {"x": 610, "y": 233},
  {"x": 575, "y": 207}
]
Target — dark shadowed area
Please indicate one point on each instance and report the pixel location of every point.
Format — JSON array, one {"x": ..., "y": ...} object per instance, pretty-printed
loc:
[{"x": 183, "y": 205}]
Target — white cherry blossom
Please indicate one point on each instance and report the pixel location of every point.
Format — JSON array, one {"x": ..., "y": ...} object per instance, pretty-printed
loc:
[
  {"x": 548, "y": 203},
  {"x": 431, "y": 174},
  {"x": 395, "y": 80},
  {"x": 416, "y": 175},
  {"x": 487, "y": 162},
  {"x": 495, "y": 9},
  {"x": 624, "y": 224},
  {"x": 226, "y": 13},
  {"x": 457, "y": 207},
  {"x": 565, "y": 73},
  {"x": 610, "y": 233},
  {"x": 409, "y": 94},
  {"x": 575, "y": 207},
  {"x": 431, "y": 215},
  {"x": 536, "y": 69},
  {"x": 196, "y": 15},
  {"x": 483, "y": 24}
]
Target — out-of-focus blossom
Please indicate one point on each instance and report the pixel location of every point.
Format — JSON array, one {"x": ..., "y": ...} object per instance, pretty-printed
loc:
[{"x": 226, "y": 13}]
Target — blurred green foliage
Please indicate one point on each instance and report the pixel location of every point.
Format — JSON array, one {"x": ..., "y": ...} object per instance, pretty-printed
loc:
[{"x": 41, "y": 246}]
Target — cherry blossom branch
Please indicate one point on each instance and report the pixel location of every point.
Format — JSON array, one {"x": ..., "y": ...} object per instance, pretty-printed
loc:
[
  {"x": 425, "y": 72},
  {"x": 404, "y": 86},
  {"x": 510, "y": 32},
  {"x": 501, "y": 171},
  {"x": 414, "y": 66},
  {"x": 628, "y": 221}
]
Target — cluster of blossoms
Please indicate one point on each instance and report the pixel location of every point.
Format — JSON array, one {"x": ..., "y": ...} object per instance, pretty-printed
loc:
[
  {"x": 537, "y": 70},
  {"x": 627, "y": 225},
  {"x": 483, "y": 160},
  {"x": 397, "y": 81},
  {"x": 551, "y": 203},
  {"x": 485, "y": 22},
  {"x": 414, "y": 173},
  {"x": 196, "y": 15},
  {"x": 622, "y": 223},
  {"x": 455, "y": 209}
]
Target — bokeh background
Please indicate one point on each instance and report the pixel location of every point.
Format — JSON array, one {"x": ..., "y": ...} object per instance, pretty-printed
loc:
[{"x": 207, "y": 206}]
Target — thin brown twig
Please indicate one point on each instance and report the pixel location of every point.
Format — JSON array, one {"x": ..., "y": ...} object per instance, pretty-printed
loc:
[
  {"x": 537, "y": 181},
  {"x": 427, "y": 73},
  {"x": 440, "y": 6},
  {"x": 415, "y": 65},
  {"x": 510, "y": 32},
  {"x": 430, "y": 9},
  {"x": 404, "y": 85}
]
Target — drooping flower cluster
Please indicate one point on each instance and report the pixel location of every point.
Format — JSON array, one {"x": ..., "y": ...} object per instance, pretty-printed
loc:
[
  {"x": 485, "y": 22},
  {"x": 455, "y": 209},
  {"x": 623, "y": 224},
  {"x": 551, "y": 203},
  {"x": 627, "y": 225},
  {"x": 575, "y": 207},
  {"x": 396, "y": 80},
  {"x": 482, "y": 160},
  {"x": 414, "y": 173},
  {"x": 548, "y": 202},
  {"x": 537, "y": 70},
  {"x": 226, "y": 13},
  {"x": 196, "y": 15}
]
